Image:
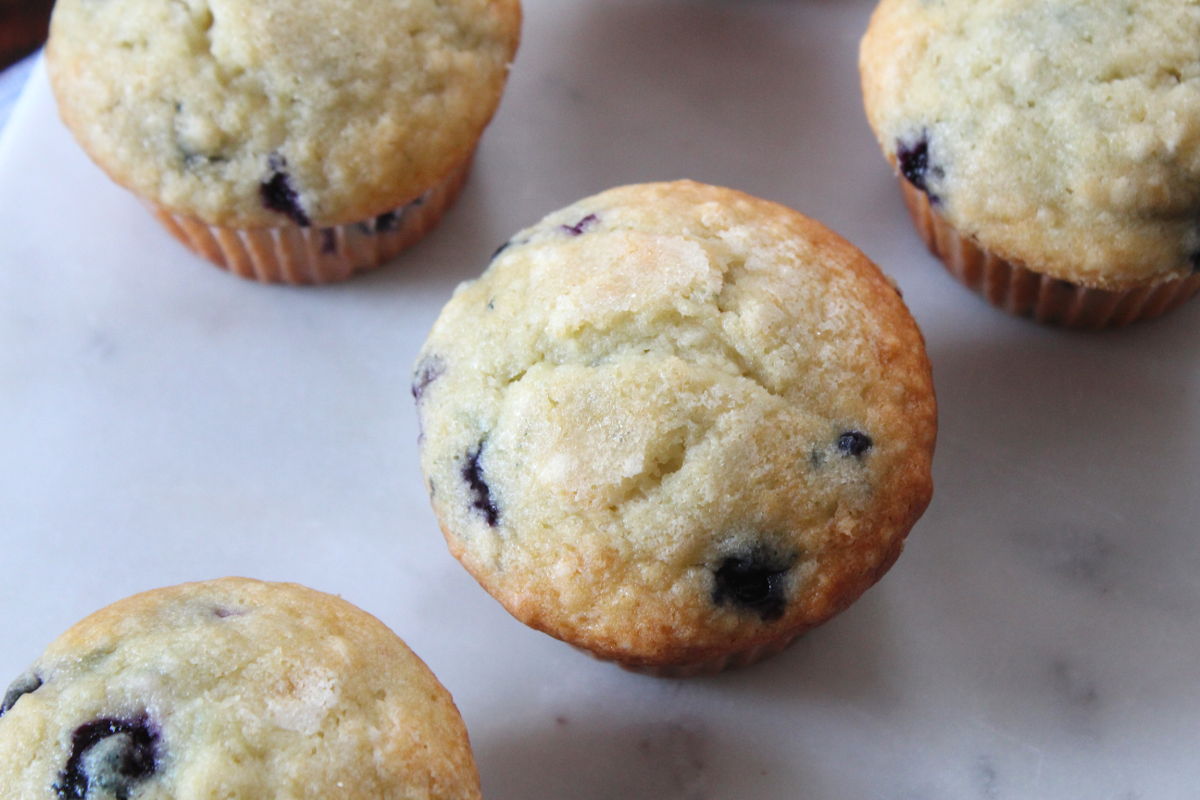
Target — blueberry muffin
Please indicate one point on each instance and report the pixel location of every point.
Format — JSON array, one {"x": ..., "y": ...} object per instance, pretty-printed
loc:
[
  {"x": 289, "y": 142},
  {"x": 676, "y": 425},
  {"x": 231, "y": 689},
  {"x": 1049, "y": 152}
]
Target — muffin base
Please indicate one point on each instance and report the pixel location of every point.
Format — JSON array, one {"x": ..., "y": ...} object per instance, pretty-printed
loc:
[
  {"x": 295, "y": 255},
  {"x": 707, "y": 667},
  {"x": 700, "y": 665},
  {"x": 1025, "y": 293}
]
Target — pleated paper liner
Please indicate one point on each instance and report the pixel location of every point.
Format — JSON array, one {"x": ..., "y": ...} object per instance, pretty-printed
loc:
[
  {"x": 698, "y": 669},
  {"x": 1025, "y": 293},
  {"x": 309, "y": 255}
]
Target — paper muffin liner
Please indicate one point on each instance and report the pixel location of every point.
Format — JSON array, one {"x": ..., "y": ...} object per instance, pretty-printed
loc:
[
  {"x": 1025, "y": 293},
  {"x": 697, "y": 669},
  {"x": 313, "y": 255}
]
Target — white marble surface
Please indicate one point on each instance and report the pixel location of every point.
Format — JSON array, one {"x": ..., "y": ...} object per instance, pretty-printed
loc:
[{"x": 161, "y": 421}]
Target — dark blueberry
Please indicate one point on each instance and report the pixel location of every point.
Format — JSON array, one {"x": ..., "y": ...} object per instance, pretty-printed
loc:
[
  {"x": 278, "y": 193},
  {"x": 193, "y": 160},
  {"x": 914, "y": 162},
  {"x": 429, "y": 370},
  {"x": 500, "y": 250},
  {"x": 753, "y": 581},
  {"x": 917, "y": 166},
  {"x": 328, "y": 240},
  {"x": 113, "y": 755},
  {"x": 854, "y": 443},
  {"x": 387, "y": 221},
  {"x": 22, "y": 686},
  {"x": 581, "y": 226},
  {"x": 472, "y": 473}
]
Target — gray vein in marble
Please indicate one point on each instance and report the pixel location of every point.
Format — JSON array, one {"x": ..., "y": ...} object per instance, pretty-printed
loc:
[
  {"x": 679, "y": 750},
  {"x": 100, "y": 345},
  {"x": 1073, "y": 685},
  {"x": 1086, "y": 558},
  {"x": 985, "y": 778}
]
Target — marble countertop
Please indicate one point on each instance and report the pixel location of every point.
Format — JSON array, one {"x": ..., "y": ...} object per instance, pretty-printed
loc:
[{"x": 161, "y": 421}]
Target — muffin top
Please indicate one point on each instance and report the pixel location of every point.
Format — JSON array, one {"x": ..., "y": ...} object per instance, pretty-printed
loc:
[
  {"x": 1061, "y": 136},
  {"x": 257, "y": 113},
  {"x": 673, "y": 420},
  {"x": 231, "y": 689}
]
